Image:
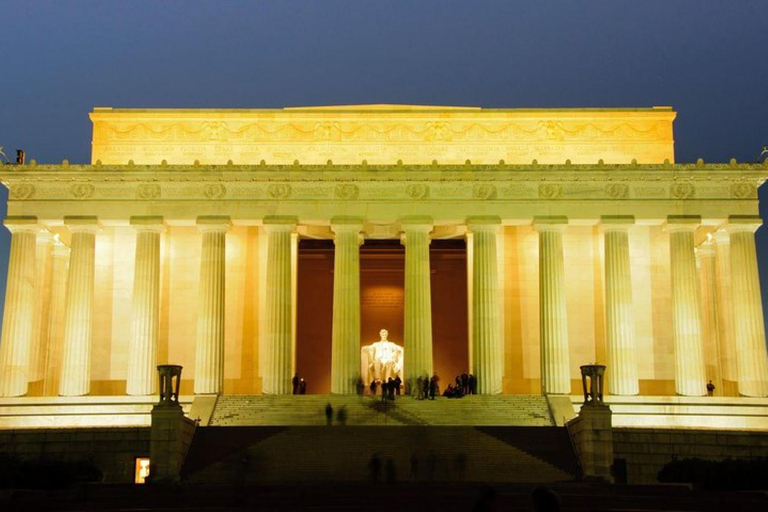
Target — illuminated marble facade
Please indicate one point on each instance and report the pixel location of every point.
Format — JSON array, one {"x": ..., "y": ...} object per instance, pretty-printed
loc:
[{"x": 178, "y": 244}]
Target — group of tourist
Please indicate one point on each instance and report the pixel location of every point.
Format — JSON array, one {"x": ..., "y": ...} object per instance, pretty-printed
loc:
[
  {"x": 299, "y": 385},
  {"x": 465, "y": 384},
  {"x": 389, "y": 388},
  {"x": 427, "y": 387}
]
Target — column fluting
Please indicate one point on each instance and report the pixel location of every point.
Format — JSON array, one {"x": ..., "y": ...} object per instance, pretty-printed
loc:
[
  {"x": 276, "y": 379},
  {"x": 690, "y": 372},
  {"x": 705, "y": 261},
  {"x": 417, "y": 339},
  {"x": 18, "y": 312},
  {"x": 209, "y": 350},
  {"x": 553, "y": 318},
  {"x": 345, "y": 343},
  {"x": 56, "y": 317},
  {"x": 142, "y": 351},
  {"x": 487, "y": 343},
  {"x": 749, "y": 330},
  {"x": 619, "y": 313},
  {"x": 78, "y": 317},
  {"x": 42, "y": 283}
]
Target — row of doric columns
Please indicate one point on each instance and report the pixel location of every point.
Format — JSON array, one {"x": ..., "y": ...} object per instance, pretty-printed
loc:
[{"x": 729, "y": 281}]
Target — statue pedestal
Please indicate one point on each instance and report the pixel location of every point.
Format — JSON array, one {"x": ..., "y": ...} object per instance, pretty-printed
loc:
[
  {"x": 592, "y": 435},
  {"x": 171, "y": 432}
]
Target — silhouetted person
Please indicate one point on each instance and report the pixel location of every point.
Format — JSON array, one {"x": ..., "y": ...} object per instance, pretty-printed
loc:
[
  {"x": 389, "y": 471},
  {"x": 384, "y": 391},
  {"x": 710, "y": 388},
  {"x": 432, "y": 388},
  {"x": 398, "y": 381},
  {"x": 374, "y": 468},
  {"x": 295, "y": 381},
  {"x": 464, "y": 383},
  {"x": 391, "y": 388},
  {"x": 472, "y": 384},
  {"x": 373, "y": 387},
  {"x": 414, "y": 467},
  {"x": 360, "y": 387},
  {"x": 302, "y": 387},
  {"x": 341, "y": 416},
  {"x": 328, "y": 413},
  {"x": 425, "y": 385},
  {"x": 420, "y": 388}
]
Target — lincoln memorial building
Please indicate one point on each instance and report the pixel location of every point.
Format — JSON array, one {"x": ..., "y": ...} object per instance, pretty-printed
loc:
[{"x": 513, "y": 244}]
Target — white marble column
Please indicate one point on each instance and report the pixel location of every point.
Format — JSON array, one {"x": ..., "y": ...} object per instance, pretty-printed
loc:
[
  {"x": 724, "y": 303},
  {"x": 705, "y": 261},
  {"x": 417, "y": 339},
  {"x": 78, "y": 316},
  {"x": 345, "y": 344},
  {"x": 142, "y": 351},
  {"x": 209, "y": 350},
  {"x": 553, "y": 319},
  {"x": 18, "y": 316},
  {"x": 42, "y": 288},
  {"x": 690, "y": 373},
  {"x": 751, "y": 358},
  {"x": 279, "y": 353},
  {"x": 55, "y": 327},
  {"x": 487, "y": 342},
  {"x": 619, "y": 312}
]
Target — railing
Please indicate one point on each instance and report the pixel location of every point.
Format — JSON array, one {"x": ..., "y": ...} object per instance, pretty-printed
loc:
[{"x": 574, "y": 447}]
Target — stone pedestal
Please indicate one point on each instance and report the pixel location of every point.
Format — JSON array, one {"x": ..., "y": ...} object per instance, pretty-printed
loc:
[
  {"x": 19, "y": 310},
  {"x": 78, "y": 318},
  {"x": 209, "y": 351},
  {"x": 487, "y": 346},
  {"x": 592, "y": 435},
  {"x": 279, "y": 353},
  {"x": 345, "y": 342},
  {"x": 171, "y": 432},
  {"x": 619, "y": 315},
  {"x": 417, "y": 338},
  {"x": 142, "y": 352},
  {"x": 749, "y": 330},
  {"x": 553, "y": 316},
  {"x": 690, "y": 373}
]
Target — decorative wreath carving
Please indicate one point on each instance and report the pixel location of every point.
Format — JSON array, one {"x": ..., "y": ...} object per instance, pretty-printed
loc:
[
  {"x": 417, "y": 191},
  {"x": 21, "y": 192},
  {"x": 683, "y": 191},
  {"x": 215, "y": 191},
  {"x": 82, "y": 190},
  {"x": 617, "y": 190},
  {"x": 550, "y": 191},
  {"x": 346, "y": 191},
  {"x": 743, "y": 190},
  {"x": 148, "y": 191},
  {"x": 280, "y": 191},
  {"x": 484, "y": 191}
]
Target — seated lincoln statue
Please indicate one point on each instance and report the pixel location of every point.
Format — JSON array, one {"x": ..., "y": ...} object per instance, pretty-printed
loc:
[{"x": 381, "y": 360}]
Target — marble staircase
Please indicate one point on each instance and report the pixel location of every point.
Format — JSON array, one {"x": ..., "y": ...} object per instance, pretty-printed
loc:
[
  {"x": 308, "y": 410},
  {"x": 276, "y": 455}
]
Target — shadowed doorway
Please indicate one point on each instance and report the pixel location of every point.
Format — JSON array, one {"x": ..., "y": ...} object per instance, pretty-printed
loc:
[{"x": 382, "y": 274}]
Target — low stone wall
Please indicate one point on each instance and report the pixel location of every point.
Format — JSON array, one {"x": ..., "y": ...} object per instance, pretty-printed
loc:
[
  {"x": 646, "y": 451},
  {"x": 112, "y": 450}
]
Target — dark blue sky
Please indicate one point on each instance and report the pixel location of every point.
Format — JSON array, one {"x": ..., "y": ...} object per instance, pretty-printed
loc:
[{"x": 61, "y": 58}]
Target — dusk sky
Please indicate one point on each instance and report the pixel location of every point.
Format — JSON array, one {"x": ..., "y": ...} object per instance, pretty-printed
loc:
[{"x": 705, "y": 59}]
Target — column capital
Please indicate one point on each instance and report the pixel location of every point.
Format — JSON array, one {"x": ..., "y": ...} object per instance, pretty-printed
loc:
[
  {"x": 722, "y": 237},
  {"x": 550, "y": 222},
  {"x": 279, "y": 223},
  {"x": 22, "y": 223},
  {"x": 44, "y": 237},
  {"x": 82, "y": 223},
  {"x": 152, "y": 223},
  {"x": 742, "y": 223},
  {"x": 214, "y": 223},
  {"x": 417, "y": 223},
  {"x": 682, "y": 222},
  {"x": 483, "y": 223},
  {"x": 616, "y": 222},
  {"x": 346, "y": 224}
]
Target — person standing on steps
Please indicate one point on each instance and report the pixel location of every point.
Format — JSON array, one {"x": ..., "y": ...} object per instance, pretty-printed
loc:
[
  {"x": 472, "y": 384},
  {"x": 302, "y": 387},
  {"x": 328, "y": 414},
  {"x": 464, "y": 383},
  {"x": 295, "y": 381},
  {"x": 710, "y": 389}
]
